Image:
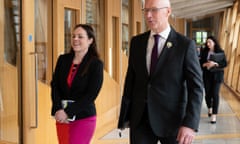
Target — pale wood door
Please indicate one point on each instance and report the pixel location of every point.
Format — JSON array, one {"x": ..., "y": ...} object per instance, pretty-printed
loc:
[
  {"x": 39, "y": 126},
  {"x": 67, "y": 13},
  {"x": 10, "y": 69}
]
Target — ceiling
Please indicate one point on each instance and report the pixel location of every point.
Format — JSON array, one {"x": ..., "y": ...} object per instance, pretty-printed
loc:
[{"x": 194, "y": 9}]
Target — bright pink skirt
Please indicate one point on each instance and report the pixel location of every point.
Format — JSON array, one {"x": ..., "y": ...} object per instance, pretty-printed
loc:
[{"x": 76, "y": 132}]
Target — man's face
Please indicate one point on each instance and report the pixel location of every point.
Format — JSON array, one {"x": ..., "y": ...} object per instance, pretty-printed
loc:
[{"x": 156, "y": 13}]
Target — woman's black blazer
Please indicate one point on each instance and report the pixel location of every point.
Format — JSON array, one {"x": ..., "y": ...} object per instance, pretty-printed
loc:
[
  {"x": 85, "y": 86},
  {"x": 217, "y": 75}
]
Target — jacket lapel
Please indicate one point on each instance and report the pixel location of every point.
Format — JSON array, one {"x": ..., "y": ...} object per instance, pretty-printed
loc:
[
  {"x": 169, "y": 45},
  {"x": 139, "y": 45},
  {"x": 144, "y": 45},
  {"x": 66, "y": 68}
]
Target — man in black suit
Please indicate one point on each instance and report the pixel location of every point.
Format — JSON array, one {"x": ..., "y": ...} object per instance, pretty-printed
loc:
[{"x": 164, "y": 103}]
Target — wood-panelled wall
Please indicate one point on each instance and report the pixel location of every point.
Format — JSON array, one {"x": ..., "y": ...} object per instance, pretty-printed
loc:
[
  {"x": 229, "y": 38},
  {"x": 178, "y": 24},
  {"x": 108, "y": 102}
]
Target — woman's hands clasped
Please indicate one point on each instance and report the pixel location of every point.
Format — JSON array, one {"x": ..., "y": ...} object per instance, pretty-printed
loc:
[
  {"x": 61, "y": 116},
  {"x": 210, "y": 64}
]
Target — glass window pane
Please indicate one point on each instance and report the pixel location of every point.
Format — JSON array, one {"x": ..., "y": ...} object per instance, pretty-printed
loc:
[
  {"x": 10, "y": 64},
  {"x": 125, "y": 26},
  {"x": 69, "y": 23},
  {"x": 204, "y": 36},
  {"x": 43, "y": 34},
  {"x": 198, "y": 37},
  {"x": 94, "y": 17},
  {"x": 11, "y": 31}
]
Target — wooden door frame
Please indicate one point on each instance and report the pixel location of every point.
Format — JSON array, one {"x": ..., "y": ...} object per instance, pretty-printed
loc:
[
  {"x": 28, "y": 71},
  {"x": 58, "y": 22},
  {"x": 30, "y": 105}
]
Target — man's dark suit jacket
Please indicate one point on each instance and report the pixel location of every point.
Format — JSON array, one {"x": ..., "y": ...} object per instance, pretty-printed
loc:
[
  {"x": 85, "y": 86},
  {"x": 173, "y": 93}
]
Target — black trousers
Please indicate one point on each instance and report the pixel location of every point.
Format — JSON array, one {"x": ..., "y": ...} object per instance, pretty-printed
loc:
[
  {"x": 212, "y": 89},
  {"x": 143, "y": 134}
]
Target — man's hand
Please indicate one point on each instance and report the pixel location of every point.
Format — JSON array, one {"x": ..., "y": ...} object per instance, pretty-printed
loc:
[{"x": 185, "y": 135}]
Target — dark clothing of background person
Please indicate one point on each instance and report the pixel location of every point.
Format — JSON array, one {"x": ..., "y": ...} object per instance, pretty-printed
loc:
[{"x": 212, "y": 80}]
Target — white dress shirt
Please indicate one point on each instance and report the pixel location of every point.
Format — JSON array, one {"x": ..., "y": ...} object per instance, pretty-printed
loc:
[{"x": 163, "y": 37}]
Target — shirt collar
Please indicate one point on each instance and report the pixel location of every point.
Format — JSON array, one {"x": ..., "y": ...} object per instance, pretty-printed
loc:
[{"x": 164, "y": 34}]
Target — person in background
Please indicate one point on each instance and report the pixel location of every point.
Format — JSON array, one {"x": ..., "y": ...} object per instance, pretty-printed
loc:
[
  {"x": 163, "y": 89},
  {"x": 212, "y": 78},
  {"x": 75, "y": 85},
  {"x": 199, "y": 51}
]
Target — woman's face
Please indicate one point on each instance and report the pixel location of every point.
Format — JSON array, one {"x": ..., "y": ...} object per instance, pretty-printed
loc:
[
  {"x": 210, "y": 44},
  {"x": 80, "y": 41}
]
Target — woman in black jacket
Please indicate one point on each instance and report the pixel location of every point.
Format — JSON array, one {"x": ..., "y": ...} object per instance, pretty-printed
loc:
[
  {"x": 212, "y": 75},
  {"x": 76, "y": 83}
]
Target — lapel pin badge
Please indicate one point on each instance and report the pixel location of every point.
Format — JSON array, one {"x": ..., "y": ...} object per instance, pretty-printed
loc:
[{"x": 169, "y": 44}]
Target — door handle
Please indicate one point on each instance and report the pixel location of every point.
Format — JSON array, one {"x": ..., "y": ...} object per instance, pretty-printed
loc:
[
  {"x": 1, "y": 100},
  {"x": 35, "y": 124}
]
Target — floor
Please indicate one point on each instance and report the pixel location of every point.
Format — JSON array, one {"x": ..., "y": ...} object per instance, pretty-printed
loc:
[{"x": 225, "y": 131}]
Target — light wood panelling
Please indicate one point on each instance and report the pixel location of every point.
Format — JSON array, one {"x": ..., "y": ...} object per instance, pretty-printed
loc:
[
  {"x": 1, "y": 49},
  {"x": 231, "y": 44},
  {"x": 228, "y": 51},
  {"x": 9, "y": 105},
  {"x": 1, "y": 33},
  {"x": 50, "y": 43},
  {"x": 9, "y": 125},
  {"x": 28, "y": 72},
  {"x": 58, "y": 21},
  {"x": 107, "y": 105},
  {"x": 234, "y": 13},
  {"x": 224, "y": 38},
  {"x": 230, "y": 39},
  {"x": 107, "y": 33},
  {"x": 236, "y": 49},
  {"x": 108, "y": 102},
  {"x": 115, "y": 7},
  {"x": 178, "y": 24},
  {"x": 5, "y": 142},
  {"x": 136, "y": 17},
  {"x": 112, "y": 37},
  {"x": 110, "y": 95},
  {"x": 46, "y": 131}
]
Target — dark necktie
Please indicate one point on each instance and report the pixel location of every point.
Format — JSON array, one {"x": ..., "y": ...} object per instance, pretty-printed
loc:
[{"x": 154, "y": 55}]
